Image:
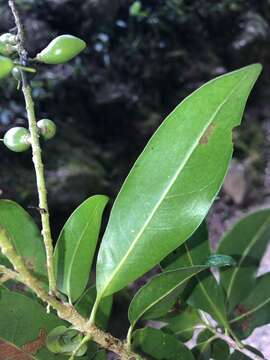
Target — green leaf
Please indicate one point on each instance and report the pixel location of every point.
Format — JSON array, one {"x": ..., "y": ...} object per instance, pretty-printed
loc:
[
  {"x": 26, "y": 323},
  {"x": 63, "y": 340},
  {"x": 25, "y": 237},
  {"x": 76, "y": 246},
  {"x": 209, "y": 347},
  {"x": 157, "y": 297},
  {"x": 86, "y": 302},
  {"x": 174, "y": 182},
  {"x": 159, "y": 345},
  {"x": 195, "y": 251},
  {"x": 208, "y": 296},
  {"x": 254, "y": 310},
  {"x": 246, "y": 243},
  {"x": 182, "y": 324}
]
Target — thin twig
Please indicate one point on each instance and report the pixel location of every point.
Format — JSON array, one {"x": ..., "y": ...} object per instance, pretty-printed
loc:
[
  {"x": 36, "y": 151},
  {"x": 234, "y": 345}
]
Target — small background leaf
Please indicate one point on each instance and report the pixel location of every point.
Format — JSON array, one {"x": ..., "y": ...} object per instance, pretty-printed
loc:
[
  {"x": 76, "y": 246},
  {"x": 25, "y": 237},
  {"x": 182, "y": 324},
  {"x": 159, "y": 345},
  {"x": 157, "y": 297},
  {"x": 246, "y": 243},
  {"x": 254, "y": 310}
]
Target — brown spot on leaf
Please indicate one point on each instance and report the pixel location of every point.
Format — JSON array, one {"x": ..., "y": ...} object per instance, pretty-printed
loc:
[
  {"x": 33, "y": 346},
  {"x": 9, "y": 351},
  {"x": 207, "y": 133}
]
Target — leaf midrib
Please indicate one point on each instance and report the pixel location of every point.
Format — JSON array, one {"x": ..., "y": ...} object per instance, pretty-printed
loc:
[
  {"x": 91, "y": 221},
  {"x": 196, "y": 142}
]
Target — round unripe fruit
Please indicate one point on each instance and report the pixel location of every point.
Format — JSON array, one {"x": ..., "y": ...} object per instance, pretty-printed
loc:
[
  {"x": 47, "y": 128},
  {"x": 6, "y": 66},
  {"x": 8, "y": 38},
  {"x": 17, "y": 139},
  {"x": 16, "y": 73},
  {"x": 60, "y": 50}
]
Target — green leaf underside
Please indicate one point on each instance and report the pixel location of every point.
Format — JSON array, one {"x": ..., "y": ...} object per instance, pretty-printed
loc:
[
  {"x": 86, "y": 302},
  {"x": 25, "y": 237},
  {"x": 159, "y": 345},
  {"x": 206, "y": 295},
  {"x": 76, "y": 246},
  {"x": 182, "y": 325},
  {"x": 22, "y": 320},
  {"x": 168, "y": 191},
  {"x": 254, "y": 310},
  {"x": 246, "y": 243},
  {"x": 162, "y": 289}
]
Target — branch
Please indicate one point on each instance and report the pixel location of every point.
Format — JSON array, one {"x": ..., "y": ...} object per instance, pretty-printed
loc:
[
  {"x": 64, "y": 310},
  {"x": 233, "y": 345},
  {"x": 36, "y": 151}
]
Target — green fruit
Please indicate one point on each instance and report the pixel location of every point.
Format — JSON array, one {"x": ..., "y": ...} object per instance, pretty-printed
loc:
[
  {"x": 8, "y": 39},
  {"x": 17, "y": 139},
  {"x": 47, "y": 128},
  {"x": 61, "y": 49},
  {"x": 16, "y": 73},
  {"x": 6, "y": 66}
]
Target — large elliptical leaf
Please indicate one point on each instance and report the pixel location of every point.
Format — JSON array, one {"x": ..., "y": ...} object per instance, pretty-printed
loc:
[
  {"x": 25, "y": 237},
  {"x": 76, "y": 246},
  {"x": 174, "y": 182},
  {"x": 246, "y": 243}
]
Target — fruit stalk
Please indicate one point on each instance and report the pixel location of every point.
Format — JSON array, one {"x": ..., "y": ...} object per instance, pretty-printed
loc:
[{"x": 36, "y": 156}]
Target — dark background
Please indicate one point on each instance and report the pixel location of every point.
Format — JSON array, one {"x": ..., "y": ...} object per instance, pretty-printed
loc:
[{"x": 108, "y": 101}]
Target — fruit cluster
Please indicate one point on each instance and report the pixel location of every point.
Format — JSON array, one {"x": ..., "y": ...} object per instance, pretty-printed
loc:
[
  {"x": 60, "y": 50},
  {"x": 18, "y": 139}
]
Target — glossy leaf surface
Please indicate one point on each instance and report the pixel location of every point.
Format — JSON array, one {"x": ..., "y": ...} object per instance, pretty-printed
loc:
[
  {"x": 162, "y": 289},
  {"x": 26, "y": 324},
  {"x": 174, "y": 182},
  {"x": 246, "y": 243},
  {"x": 76, "y": 246},
  {"x": 25, "y": 236},
  {"x": 254, "y": 310},
  {"x": 159, "y": 345}
]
